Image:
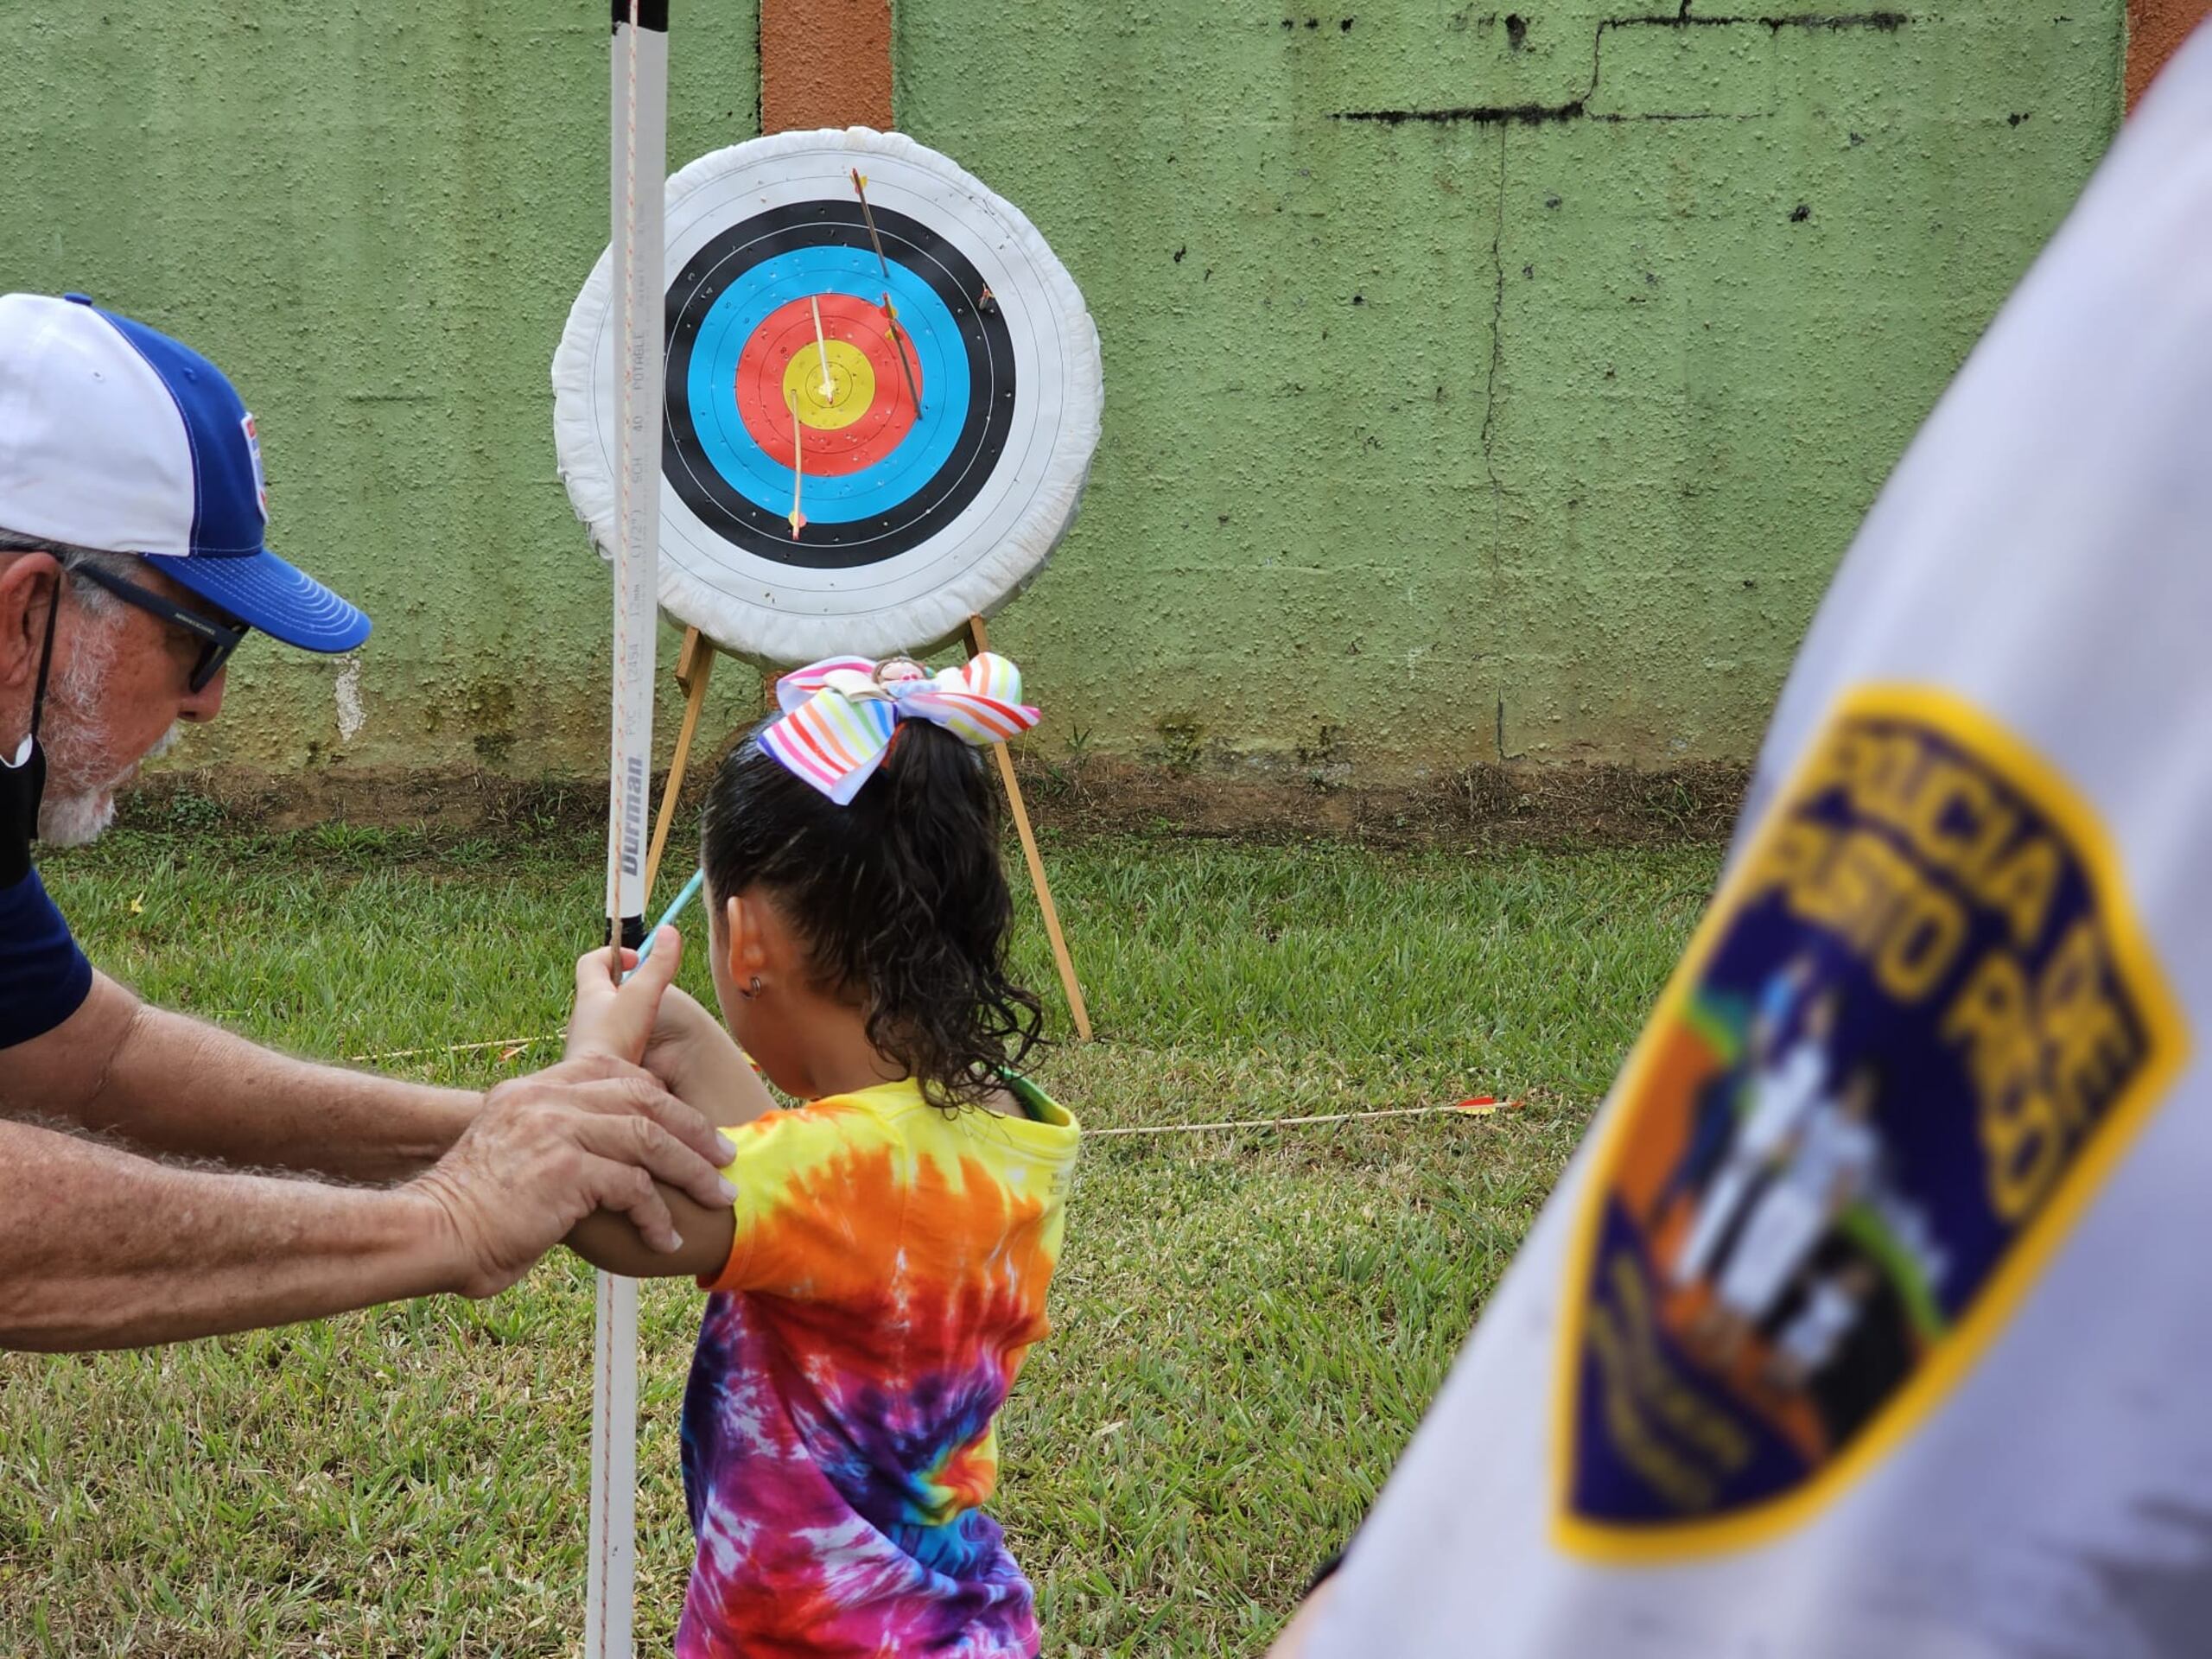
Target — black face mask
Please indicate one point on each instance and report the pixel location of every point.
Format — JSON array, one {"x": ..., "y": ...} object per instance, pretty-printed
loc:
[{"x": 22, "y": 788}]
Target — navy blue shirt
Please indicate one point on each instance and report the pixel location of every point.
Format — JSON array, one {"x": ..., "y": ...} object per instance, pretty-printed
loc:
[{"x": 44, "y": 977}]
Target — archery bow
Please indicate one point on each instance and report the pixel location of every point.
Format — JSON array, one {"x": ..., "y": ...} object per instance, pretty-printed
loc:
[{"x": 638, "y": 152}]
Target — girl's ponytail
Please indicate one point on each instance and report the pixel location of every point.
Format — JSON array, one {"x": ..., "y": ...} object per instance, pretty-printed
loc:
[
  {"x": 943, "y": 1002},
  {"x": 899, "y": 896}
]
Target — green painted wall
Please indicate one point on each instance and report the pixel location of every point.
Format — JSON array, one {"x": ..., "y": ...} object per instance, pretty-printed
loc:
[
  {"x": 374, "y": 214},
  {"x": 1478, "y": 382}
]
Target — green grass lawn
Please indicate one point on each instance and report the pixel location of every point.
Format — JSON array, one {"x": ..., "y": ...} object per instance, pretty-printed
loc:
[{"x": 1248, "y": 1323}]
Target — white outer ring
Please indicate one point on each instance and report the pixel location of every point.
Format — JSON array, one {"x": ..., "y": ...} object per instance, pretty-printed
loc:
[{"x": 790, "y": 613}]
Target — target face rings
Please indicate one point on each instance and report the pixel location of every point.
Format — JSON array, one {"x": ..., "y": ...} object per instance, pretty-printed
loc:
[
  {"x": 913, "y": 384},
  {"x": 744, "y": 363}
]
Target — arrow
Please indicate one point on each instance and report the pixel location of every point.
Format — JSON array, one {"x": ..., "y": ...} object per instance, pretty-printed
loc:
[
  {"x": 798, "y": 464},
  {"x": 890, "y": 317},
  {"x": 860, "y": 187},
  {"x": 820, "y": 351},
  {"x": 898, "y": 339}
]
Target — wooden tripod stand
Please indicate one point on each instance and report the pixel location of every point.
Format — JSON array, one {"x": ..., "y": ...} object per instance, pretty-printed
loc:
[{"x": 695, "y": 664}]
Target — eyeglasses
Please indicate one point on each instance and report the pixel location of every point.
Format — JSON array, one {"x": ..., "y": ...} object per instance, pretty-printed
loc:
[{"x": 216, "y": 642}]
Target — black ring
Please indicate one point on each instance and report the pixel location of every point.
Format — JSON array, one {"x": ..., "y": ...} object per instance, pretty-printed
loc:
[{"x": 946, "y": 493}]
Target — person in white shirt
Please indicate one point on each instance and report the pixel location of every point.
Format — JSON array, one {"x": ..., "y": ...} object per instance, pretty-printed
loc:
[{"x": 1985, "y": 795}]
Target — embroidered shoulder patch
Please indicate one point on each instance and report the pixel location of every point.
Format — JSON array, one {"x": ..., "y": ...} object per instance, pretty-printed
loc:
[{"x": 1914, "y": 1032}]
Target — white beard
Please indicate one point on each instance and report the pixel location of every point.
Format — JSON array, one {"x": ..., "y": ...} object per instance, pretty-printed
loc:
[
  {"x": 74, "y": 820},
  {"x": 75, "y": 728}
]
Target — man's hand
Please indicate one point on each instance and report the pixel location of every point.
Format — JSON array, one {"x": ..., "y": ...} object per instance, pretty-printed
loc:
[{"x": 546, "y": 1151}]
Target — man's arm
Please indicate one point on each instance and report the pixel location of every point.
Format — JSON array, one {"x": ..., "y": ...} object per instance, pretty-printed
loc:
[
  {"x": 108, "y": 1251},
  {"x": 171, "y": 1085},
  {"x": 104, "y": 1250}
]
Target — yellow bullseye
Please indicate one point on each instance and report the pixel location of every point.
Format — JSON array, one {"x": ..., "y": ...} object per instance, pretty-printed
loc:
[{"x": 852, "y": 386}]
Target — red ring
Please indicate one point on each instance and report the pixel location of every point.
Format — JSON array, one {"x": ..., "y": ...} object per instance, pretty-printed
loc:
[{"x": 789, "y": 329}]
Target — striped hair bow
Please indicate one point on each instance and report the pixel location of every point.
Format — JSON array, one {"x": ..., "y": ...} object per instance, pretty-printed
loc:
[{"x": 839, "y": 714}]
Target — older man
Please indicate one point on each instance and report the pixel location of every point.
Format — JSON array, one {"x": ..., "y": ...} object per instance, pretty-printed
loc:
[{"x": 138, "y": 1206}]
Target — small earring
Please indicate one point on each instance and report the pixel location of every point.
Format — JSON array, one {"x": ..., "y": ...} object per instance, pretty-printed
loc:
[{"x": 752, "y": 990}]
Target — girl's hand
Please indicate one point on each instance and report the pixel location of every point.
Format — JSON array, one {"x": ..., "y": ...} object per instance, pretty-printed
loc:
[
  {"x": 693, "y": 1055},
  {"x": 647, "y": 1019},
  {"x": 689, "y": 1050},
  {"x": 619, "y": 1021}
]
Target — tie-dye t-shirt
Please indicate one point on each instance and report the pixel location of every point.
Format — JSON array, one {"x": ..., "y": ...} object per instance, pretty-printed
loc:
[{"x": 887, "y": 1278}]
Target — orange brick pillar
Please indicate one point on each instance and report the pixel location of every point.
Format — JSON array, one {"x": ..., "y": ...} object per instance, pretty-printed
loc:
[
  {"x": 826, "y": 63},
  {"x": 2155, "y": 29}
]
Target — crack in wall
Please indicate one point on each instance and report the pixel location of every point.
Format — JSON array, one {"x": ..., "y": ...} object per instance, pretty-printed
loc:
[
  {"x": 1497, "y": 349},
  {"x": 1578, "y": 108}
]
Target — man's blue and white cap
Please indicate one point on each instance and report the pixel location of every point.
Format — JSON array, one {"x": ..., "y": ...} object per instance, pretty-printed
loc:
[{"x": 115, "y": 437}]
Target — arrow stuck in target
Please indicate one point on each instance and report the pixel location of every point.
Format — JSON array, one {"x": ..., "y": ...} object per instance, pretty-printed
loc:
[
  {"x": 898, "y": 340},
  {"x": 890, "y": 317},
  {"x": 822, "y": 350},
  {"x": 860, "y": 189},
  {"x": 798, "y": 464}
]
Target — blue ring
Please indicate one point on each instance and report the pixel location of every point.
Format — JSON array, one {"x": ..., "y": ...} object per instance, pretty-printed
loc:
[
  {"x": 738, "y": 314},
  {"x": 985, "y": 425}
]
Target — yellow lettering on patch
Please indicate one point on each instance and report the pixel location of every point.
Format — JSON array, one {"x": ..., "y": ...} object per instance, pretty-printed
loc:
[
  {"x": 2045, "y": 1060},
  {"x": 1668, "y": 1470},
  {"x": 2022, "y": 1139},
  {"x": 1871, "y": 897},
  {"x": 2023, "y": 887},
  {"x": 2092, "y": 1047},
  {"x": 1957, "y": 821},
  {"x": 1663, "y": 1392},
  {"x": 1797, "y": 847}
]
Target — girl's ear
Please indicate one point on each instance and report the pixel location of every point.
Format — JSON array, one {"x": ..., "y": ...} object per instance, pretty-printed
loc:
[
  {"x": 736, "y": 939},
  {"x": 750, "y": 943}
]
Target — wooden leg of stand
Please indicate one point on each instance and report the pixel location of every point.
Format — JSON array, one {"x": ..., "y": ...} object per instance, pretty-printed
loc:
[
  {"x": 693, "y": 668},
  {"x": 979, "y": 642}
]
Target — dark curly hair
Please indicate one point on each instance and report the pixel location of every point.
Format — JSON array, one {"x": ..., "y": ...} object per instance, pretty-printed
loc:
[{"x": 898, "y": 899}]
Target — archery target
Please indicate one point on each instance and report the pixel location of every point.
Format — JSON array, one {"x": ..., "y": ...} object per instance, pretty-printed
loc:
[{"x": 880, "y": 417}]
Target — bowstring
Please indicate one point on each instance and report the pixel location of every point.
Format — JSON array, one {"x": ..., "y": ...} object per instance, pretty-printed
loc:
[{"x": 626, "y": 538}]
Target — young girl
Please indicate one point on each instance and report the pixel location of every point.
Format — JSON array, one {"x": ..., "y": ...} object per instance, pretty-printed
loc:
[{"x": 882, "y": 1272}]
